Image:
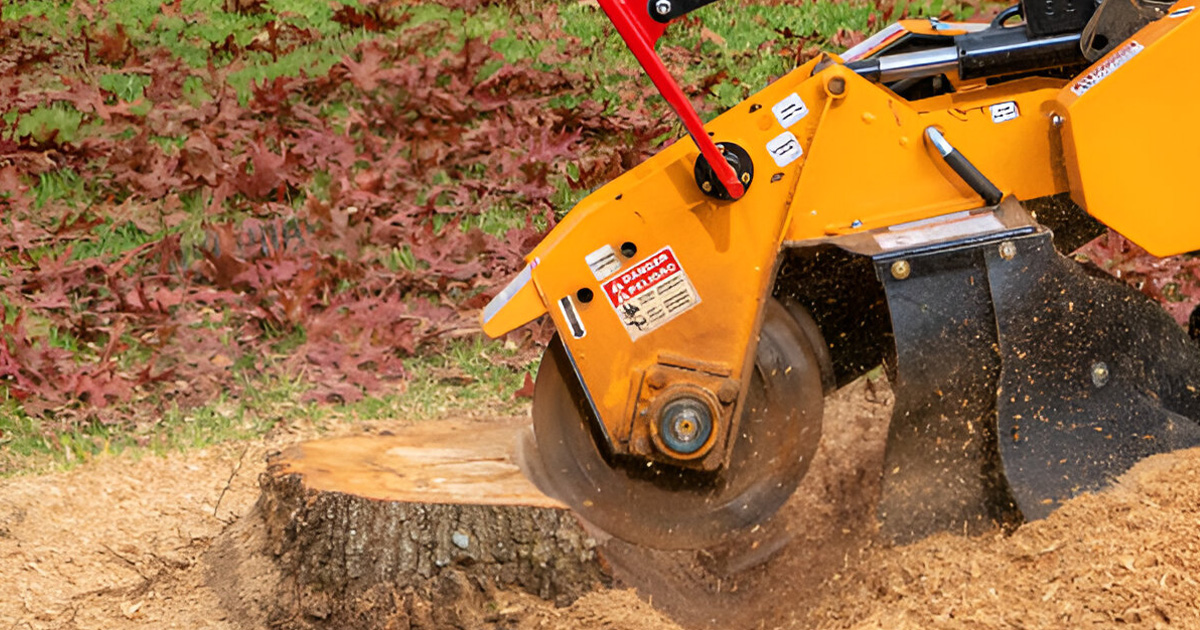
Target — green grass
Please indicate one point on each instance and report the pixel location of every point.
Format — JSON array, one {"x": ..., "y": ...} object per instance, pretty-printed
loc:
[
  {"x": 60, "y": 121},
  {"x": 62, "y": 185},
  {"x": 29, "y": 447},
  {"x": 471, "y": 377},
  {"x": 730, "y": 36},
  {"x": 128, "y": 87},
  {"x": 111, "y": 239}
]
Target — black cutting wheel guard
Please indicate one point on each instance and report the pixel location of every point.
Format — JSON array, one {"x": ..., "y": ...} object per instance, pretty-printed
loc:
[{"x": 1023, "y": 381}]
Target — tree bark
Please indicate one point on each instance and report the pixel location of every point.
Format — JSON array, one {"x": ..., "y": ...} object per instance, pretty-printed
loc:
[{"x": 415, "y": 529}]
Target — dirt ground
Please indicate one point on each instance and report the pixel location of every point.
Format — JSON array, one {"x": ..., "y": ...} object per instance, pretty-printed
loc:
[{"x": 128, "y": 543}]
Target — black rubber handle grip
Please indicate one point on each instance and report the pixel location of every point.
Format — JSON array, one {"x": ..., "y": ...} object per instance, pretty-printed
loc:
[
  {"x": 973, "y": 177},
  {"x": 963, "y": 167}
]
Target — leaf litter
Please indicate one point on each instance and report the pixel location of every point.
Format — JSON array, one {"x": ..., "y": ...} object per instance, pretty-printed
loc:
[{"x": 343, "y": 207}]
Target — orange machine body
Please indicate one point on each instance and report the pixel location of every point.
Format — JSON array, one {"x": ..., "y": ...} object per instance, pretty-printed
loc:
[
  {"x": 657, "y": 288},
  {"x": 1131, "y": 137}
]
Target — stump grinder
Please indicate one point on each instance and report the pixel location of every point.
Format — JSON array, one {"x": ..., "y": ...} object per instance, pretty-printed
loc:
[{"x": 907, "y": 204}]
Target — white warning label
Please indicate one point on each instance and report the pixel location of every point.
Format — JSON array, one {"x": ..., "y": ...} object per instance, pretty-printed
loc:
[
  {"x": 603, "y": 262},
  {"x": 651, "y": 293},
  {"x": 1004, "y": 112},
  {"x": 1107, "y": 66},
  {"x": 790, "y": 110},
  {"x": 784, "y": 149}
]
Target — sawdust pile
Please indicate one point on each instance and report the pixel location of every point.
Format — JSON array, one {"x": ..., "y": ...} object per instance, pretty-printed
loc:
[
  {"x": 1129, "y": 557},
  {"x": 120, "y": 542},
  {"x": 129, "y": 544}
]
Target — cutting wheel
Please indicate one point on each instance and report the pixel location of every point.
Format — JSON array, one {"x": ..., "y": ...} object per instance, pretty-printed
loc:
[{"x": 658, "y": 505}]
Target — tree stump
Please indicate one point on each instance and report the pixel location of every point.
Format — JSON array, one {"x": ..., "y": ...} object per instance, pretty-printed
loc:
[
  {"x": 436, "y": 527},
  {"x": 415, "y": 529}
]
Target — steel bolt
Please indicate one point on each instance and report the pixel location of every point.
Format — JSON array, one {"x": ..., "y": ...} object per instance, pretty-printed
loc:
[
  {"x": 1099, "y": 374},
  {"x": 836, "y": 86},
  {"x": 1008, "y": 251},
  {"x": 656, "y": 379},
  {"x": 706, "y": 186},
  {"x": 728, "y": 391},
  {"x": 1056, "y": 120},
  {"x": 901, "y": 269},
  {"x": 663, "y": 7}
]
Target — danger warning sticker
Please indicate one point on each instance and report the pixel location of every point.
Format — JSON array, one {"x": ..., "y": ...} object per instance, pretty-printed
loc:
[
  {"x": 651, "y": 293},
  {"x": 1107, "y": 66}
]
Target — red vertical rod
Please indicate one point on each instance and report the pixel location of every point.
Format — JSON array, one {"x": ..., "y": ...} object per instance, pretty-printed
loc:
[{"x": 640, "y": 33}]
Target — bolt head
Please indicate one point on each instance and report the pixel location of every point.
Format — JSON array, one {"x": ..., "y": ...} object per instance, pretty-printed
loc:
[
  {"x": 836, "y": 86},
  {"x": 728, "y": 391},
  {"x": 706, "y": 186},
  {"x": 1056, "y": 120},
  {"x": 901, "y": 269},
  {"x": 663, "y": 7},
  {"x": 1008, "y": 250}
]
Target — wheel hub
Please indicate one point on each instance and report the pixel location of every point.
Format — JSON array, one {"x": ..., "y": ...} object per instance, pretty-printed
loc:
[{"x": 685, "y": 425}]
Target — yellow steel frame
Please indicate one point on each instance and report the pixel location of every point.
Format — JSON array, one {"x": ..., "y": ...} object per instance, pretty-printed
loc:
[
  {"x": 865, "y": 165},
  {"x": 1132, "y": 137}
]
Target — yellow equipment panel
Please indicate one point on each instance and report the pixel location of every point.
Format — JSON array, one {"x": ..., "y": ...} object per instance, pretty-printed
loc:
[{"x": 1131, "y": 135}]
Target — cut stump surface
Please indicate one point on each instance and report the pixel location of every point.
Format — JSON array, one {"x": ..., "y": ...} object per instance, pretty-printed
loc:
[{"x": 433, "y": 463}]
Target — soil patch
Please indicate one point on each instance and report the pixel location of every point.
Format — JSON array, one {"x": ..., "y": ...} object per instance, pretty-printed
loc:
[{"x": 172, "y": 542}]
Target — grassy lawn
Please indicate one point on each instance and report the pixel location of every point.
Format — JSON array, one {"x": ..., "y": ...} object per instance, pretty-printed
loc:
[
  {"x": 216, "y": 221},
  {"x": 470, "y": 378}
]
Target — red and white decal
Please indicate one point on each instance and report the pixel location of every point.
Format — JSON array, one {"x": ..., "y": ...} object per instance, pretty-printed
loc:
[
  {"x": 1107, "y": 66},
  {"x": 651, "y": 293}
]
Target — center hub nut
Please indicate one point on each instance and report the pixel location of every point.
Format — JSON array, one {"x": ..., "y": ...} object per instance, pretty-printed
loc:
[{"x": 685, "y": 425}]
